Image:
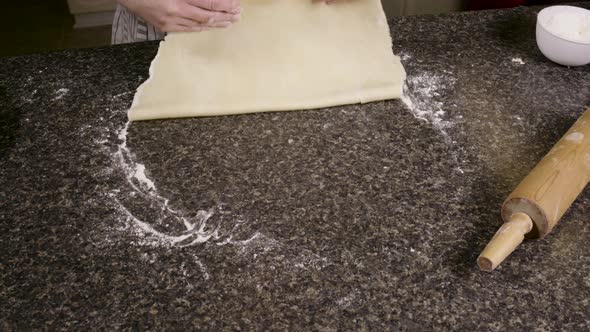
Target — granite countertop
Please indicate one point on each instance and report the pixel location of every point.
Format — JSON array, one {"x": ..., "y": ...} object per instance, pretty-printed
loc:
[{"x": 363, "y": 217}]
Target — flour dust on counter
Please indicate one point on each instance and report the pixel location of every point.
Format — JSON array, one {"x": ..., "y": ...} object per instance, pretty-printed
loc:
[
  {"x": 424, "y": 95},
  {"x": 168, "y": 228},
  {"x": 59, "y": 94},
  {"x": 196, "y": 228},
  {"x": 518, "y": 61},
  {"x": 30, "y": 92},
  {"x": 122, "y": 94}
]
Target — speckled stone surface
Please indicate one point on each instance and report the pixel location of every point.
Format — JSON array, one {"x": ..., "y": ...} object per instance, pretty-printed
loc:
[{"x": 361, "y": 217}]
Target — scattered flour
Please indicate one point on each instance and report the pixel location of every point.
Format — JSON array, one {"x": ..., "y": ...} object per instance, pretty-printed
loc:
[
  {"x": 422, "y": 94},
  {"x": 163, "y": 240},
  {"x": 346, "y": 301},
  {"x": 140, "y": 176},
  {"x": 198, "y": 229},
  {"x": 122, "y": 94},
  {"x": 260, "y": 244},
  {"x": 518, "y": 61},
  {"x": 59, "y": 94},
  {"x": 405, "y": 56},
  {"x": 28, "y": 99}
]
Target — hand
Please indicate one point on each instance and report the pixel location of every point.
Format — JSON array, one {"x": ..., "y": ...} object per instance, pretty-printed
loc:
[{"x": 186, "y": 15}]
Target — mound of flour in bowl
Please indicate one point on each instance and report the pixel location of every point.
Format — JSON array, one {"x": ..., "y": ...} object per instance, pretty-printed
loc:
[{"x": 568, "y": 25}]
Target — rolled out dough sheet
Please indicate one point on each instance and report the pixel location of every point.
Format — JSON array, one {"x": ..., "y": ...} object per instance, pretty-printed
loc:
[{"x": 282, "y": 55}]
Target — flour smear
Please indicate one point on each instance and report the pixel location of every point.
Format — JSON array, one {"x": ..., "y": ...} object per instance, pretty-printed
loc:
[
  {"x": 518, "y": 61},
  {"x": 59, "y": 94},
  {"x": 423, "y": 94},
  {"x": 199, "y": 228},
  {"x": 196, "y": 228}
]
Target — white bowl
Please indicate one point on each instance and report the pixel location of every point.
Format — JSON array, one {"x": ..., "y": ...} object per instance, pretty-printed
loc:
[{"x": 567, "y": 52}]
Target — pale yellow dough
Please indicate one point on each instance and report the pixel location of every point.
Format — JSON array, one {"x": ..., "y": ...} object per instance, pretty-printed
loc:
[{"x": 282, "y": 55}]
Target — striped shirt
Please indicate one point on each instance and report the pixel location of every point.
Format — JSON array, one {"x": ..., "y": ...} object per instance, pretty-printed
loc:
[{"x": 129, "y": 28}]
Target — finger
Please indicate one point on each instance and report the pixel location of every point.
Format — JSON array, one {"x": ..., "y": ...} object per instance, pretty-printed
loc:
[
  {"x": 190, "y": 23},
  {"x": 201, "y": 15},
  {"x": 228, "y": 6},
  {"x": 183, "y": 28},
  {"x": 194, "y": 28},
  {"x": 220, "y": 24},
  {"x": 225, "y": 17},
  {"x": 179, "y": 24}
]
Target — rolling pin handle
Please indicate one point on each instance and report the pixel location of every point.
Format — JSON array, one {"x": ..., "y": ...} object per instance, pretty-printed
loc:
[{"x": 506, "y": 240}]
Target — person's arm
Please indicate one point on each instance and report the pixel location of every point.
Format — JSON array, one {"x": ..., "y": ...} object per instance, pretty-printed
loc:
[
  {"x": 189, "y": 15},
  {"x": 185, "y": 15}
]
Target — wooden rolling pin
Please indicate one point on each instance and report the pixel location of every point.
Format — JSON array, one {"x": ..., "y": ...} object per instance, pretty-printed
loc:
[{"x": 543, "y": 197}]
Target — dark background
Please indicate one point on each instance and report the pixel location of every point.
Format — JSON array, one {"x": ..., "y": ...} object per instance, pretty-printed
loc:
[{"x": 32, "y": 26}]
